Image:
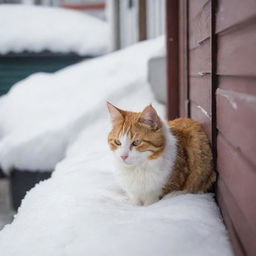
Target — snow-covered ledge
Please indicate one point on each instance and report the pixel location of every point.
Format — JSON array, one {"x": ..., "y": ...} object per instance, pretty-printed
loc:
[{"x": 81, "y": 210}]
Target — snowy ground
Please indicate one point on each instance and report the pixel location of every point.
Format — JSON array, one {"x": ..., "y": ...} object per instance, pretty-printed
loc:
[
  {"x": 35, "y": 29},
  {"x": 81, "y": 210}
]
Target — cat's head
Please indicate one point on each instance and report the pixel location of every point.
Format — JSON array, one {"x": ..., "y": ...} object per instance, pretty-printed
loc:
[{"x": 135, "y": 137}]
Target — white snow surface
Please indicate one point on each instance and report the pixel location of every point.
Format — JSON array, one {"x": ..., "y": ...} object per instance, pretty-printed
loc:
[
  {"x": 43, "y": 114},
  {"x": 81, "y": 210},
  {"x": 35, "y": 29}
]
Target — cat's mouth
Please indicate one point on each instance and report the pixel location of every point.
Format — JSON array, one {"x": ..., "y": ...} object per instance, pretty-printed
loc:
[{"x": 127, "y": 162}]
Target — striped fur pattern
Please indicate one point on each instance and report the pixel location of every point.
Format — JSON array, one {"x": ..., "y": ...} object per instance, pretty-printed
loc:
[{"x": 154, "y": 158}]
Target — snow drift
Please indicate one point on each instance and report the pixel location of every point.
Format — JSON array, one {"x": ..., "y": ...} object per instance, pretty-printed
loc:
[
  {"x": 82, "y": 211},
  {"x": 43, "y": 114}
]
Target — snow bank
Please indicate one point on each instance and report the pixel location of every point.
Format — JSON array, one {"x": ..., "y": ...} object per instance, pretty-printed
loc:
[
  {"x": 35, "y": 29},
  {"x": 42, "y": 114},
  {"x": 82, "y": 211}
]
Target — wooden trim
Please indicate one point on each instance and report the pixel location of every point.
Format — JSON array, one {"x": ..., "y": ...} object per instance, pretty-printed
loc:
[
  {"x": 142, "y": 20},
  {"x": 233, "y": 235},
  {"x": 183, "y": 59},
  {"x": 214, "y": 80},
  {"x": 172, "y": 43},
  {"x": 89, "y": 6},
  {"x": 188, "y": 61}
]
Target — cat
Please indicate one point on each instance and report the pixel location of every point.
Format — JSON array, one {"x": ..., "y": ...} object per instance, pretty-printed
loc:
[{"x": 154, "y": 158}]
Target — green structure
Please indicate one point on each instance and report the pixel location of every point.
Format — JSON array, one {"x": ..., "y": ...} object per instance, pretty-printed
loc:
[{"x": 15, "y": 67}]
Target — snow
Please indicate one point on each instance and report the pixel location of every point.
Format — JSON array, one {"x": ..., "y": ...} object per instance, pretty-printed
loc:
[
  {"x": 43, "y": 114},
  {"x": 35, "y": 29},
  {"x": 81, "y": 210}
]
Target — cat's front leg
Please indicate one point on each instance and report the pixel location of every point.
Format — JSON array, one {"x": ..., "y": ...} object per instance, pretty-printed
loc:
[
  {"x": 134, "y": 200},
  {"x": 151, "y": 198}
]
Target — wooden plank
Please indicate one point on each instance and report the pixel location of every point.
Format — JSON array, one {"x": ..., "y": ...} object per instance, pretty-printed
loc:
[
  {"x": 214, "y": 80},
  {"x": 142, "y": 18},
  {"x": 238, "y": 84},
  {"x": 234, "y": 238},
  {"x": 241, "y": 225},
  {"x": 87, "y": 6},
  {"x": 200, "y": 59},
  {"x": 237, "y": 58},
  {"x": 196, "y": 7},
  {"x": 183, "y": 59},
  {"x": 200, "y": 114},
  {"x": 239, "y": 177},
  {"x": 236, "y": 119},
  {"x": 200, "y": 26},
  {"x": 172, "y": 44},
  {"x": 201, "y": 92},
  {"x": 233, "y": 12}
]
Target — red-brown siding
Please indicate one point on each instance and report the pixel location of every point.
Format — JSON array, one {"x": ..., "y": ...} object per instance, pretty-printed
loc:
[
  {"x": 236, "y": 120},
  {"x": 217, "y": 75},
  {"x": 199, "y": 68}
]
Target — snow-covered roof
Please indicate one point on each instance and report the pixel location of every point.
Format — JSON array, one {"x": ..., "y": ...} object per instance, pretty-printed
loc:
[
  {"x": 35, "y": 29},
  {"x": 42, "y": 114}
]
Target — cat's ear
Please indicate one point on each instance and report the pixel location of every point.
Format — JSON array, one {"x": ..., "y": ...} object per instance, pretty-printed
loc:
[
  {"x": 116, "y": 114},
  {"x": 150, "y": 118}
]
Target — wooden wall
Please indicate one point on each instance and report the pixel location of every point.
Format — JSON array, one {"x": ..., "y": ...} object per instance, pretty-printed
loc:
[
  {"x": 217, "y": 87},
  {"x": 200, "y": 63},
  {"x": 236, "y": 120}
]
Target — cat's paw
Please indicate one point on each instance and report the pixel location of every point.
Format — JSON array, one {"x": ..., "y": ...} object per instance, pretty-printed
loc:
[
  {"x": 135, "y": 201},
  {"x": 150, "y": 201}
]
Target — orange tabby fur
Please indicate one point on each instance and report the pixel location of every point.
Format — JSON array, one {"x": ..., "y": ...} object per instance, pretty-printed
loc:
[{"x": 192, "y": 171}]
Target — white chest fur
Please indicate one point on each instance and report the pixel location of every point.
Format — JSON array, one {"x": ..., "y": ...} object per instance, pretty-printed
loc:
[{"x": 143, "y": 183}]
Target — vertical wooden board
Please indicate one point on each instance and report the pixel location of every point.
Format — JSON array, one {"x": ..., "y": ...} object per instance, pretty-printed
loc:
[
  {"x": 142, "y": 20},
  {"x": 172, "y": 44},
  {"x": 236, "y": 119},
  {"x": 239, "y": 177},
  {"x": 199, "y": 114},
  {"x": 241, "y": 225},
  {"x": 201, "y": 92},
  {"x": 232, "y": 12},
  {"x": 183, "y": 63},
  {"x": 195, "y": 7},
  {"x": 200, "y": 59},
  {"x": 237, "y": 52},
  {"x": 200, "y": 26},
  {"x": 232, "y": 233}
]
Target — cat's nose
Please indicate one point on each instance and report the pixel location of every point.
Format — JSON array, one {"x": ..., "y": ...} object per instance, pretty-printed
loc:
[{"x": 124, "y": 156}]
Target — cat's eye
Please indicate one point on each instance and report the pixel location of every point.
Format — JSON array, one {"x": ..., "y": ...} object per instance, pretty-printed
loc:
[
  {"x": 136, "y": 143},
  {"x": 117, "y": 142}
]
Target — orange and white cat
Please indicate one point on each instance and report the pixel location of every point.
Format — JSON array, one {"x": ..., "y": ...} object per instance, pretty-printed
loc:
[{"x": 155, "y": 158}]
